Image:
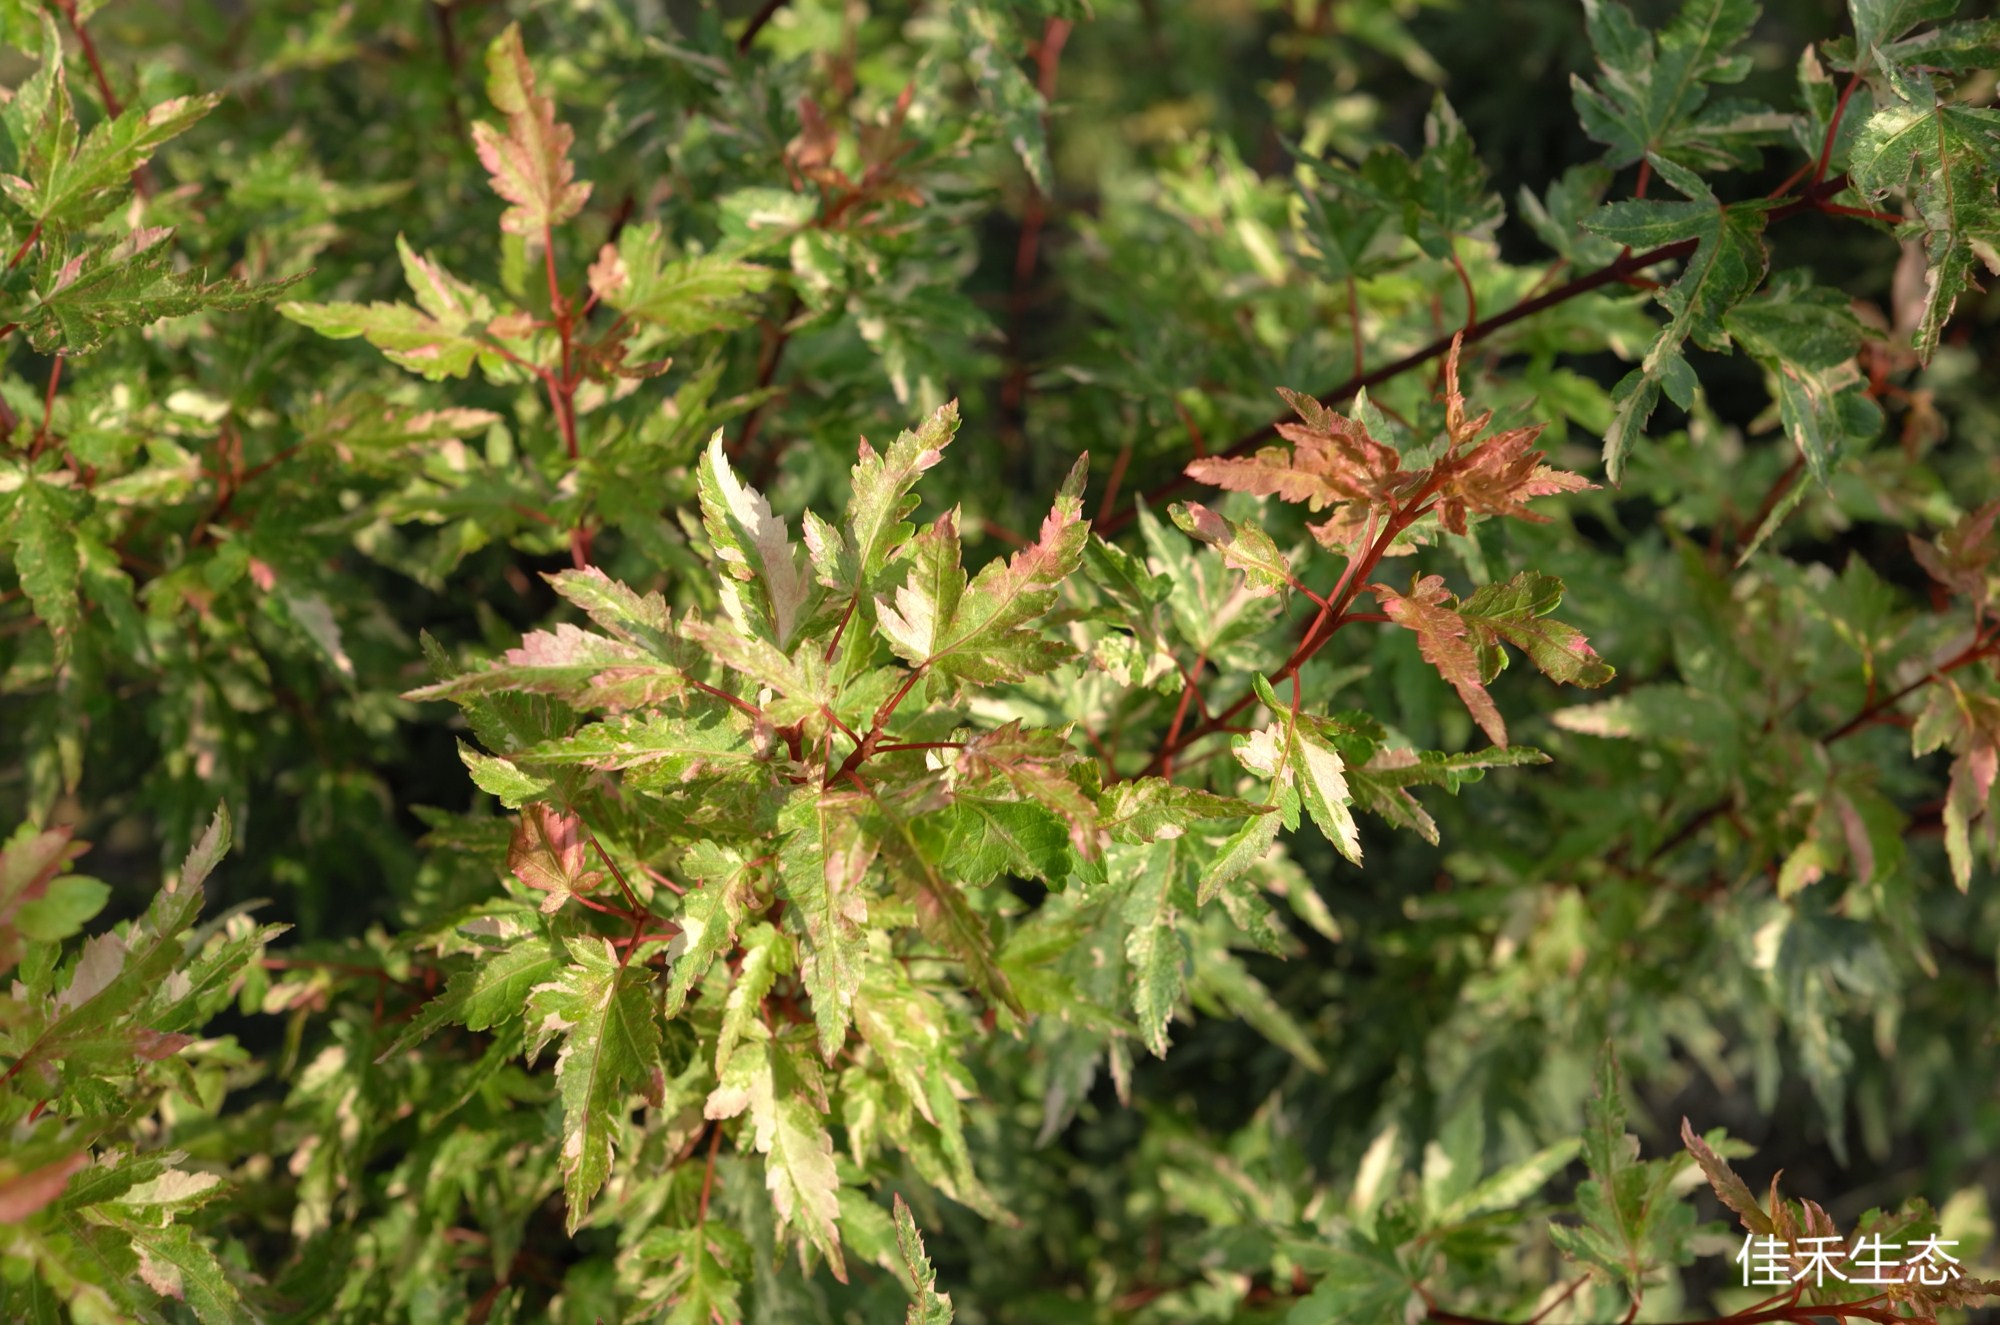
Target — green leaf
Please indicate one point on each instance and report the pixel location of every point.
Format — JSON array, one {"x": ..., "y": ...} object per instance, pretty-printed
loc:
[
  {"x": 1652, "y": 94},
  {"x": 1157, "y": 949},
  {"x": 710, "y": 1263},
  {"x": 1447, "y": 197},
  {"x": 785, "y": 1098},
  {"x": 129, "y": 284},
  {"x": 927, "y": 1305},
  {"x": 1878, "y": 22},
  {"x": 501, "y": 778},
  {"x": 176, "y": 1263},
  {"x": 880, "y": 503},
  {"x": 1727, "y": 264},
  {"x": 1381, "y": 785},
  {"x": 764, "y": 956},
  {"x": 1518, "y": 612},
  {"x": 710, "y": 915},
  {"x": 611, "y": 1048},
  {"x": 1633, "y": 1225},
  {"x": 1154, "y": 809},
  {"x": 944, "y": 913},
  {"x": 62, "y": 909},
  {"x": 491, "y": 993},
  {"x": 684, "y": 297},
  {"x": 980, "y": 632},
  {"x": 1511, "y": 1186},
  {"x": 1365, "y": 1287},
  {"x": 1298, "y": 754},
  {"x": 1806, "y": 339},
  {"x": 1007, "y": 93},
  {"x": 63, "y": 184},
  {"x": 1243, "y": 546},
  {"x": 528, "y": 160},
  {"x": 443, "y": 337},
  {"x": 658, "y": 750},
  {"x": 822, "y": 868},
  {"x": 43, "y": 532},
  {"x": 1943, "y": 156}
]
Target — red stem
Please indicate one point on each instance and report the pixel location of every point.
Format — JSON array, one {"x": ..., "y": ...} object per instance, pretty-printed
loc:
[
  {"x": 22, "y": 252},
  {"x": 1833, "y": 126}
]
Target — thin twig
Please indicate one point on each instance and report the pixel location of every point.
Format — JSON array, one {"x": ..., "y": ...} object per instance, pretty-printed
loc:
[{"x": 757, "y": 22}]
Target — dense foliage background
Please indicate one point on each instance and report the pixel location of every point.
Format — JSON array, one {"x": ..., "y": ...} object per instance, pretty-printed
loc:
[{"x": 766, "y": 892}]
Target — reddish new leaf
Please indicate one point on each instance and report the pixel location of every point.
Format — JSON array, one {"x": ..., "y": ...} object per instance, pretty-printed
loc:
[
  {"x": 1333, "y": 460},
  {"x": 1962, "y": 557},
  {"x": 529, "y": 162},
  {"x": 1445, "y": 640},
  {"x": 1496, "y": 476},
  {"x": 22, "y": 1194},
  {"x": 549, "y": 852}
]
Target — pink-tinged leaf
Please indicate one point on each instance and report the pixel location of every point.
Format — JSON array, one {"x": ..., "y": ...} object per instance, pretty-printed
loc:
[
  {"x": 1445, "y": 641},
  {"x": 102, "y": 959},
  {"x": 529, "y": 162},
  {"x": 1731, "y": 1190},
  {"x": 550, "y": 853},
  {"x": 156, "y": 1045},
  {"x": 1333, "y": 460},
  {"x": 987, "y": 631},
  {"x": 1517, "y": 612},
  {"x": 1496, "y": 476},
  {"x": 1243, "y": 546},
  {"x": 27, "y": 864},
  {"x": 22, "y": 1194},
  {"x": 1962, "y": 558},
  {"x": 754, "y": 546}
]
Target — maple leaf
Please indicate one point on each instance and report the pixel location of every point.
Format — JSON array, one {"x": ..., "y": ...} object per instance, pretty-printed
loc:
[
  {"x": 1462, "y": 640},
  {"x": 685, "y": 297},
  {"x": 61, "y": 182},
  {"x": 979, "y": 631},
  {"x": 1516, "y": 611},
  {"x": 754, "y": 546},
  {"x": 42, "y": 528},
  {"x": 1652, "y": 94},
  {"x": 1967, "y": 724},
  {"x": 927, "y": 1305},
  {"x": 1248, "y": 548},
  {"x": 1727, "y": 264},
  {"x": 549, "y": 852},
  {"x": 442, "y": 337},
  {"x": 1298, "y": 754},
  {"x": 128, "y": 284},
  {"x": 1381, "y": 785},
  {"x": 1333, "y": 460},
  {"x": 529, "y": 162},
  {"x": 1962, "y": 558},
  {"x": 31, "y": 863},
  {"x": 611, "y": 1048},
  {"x": 822, "y": 866},
  {"x": 710, "y": 915},
  {"x": 1943, "y": 156},
  {"x": 1035, "y": 765},
  {"x": 786, "y": 1099},
  {"x": 1497, "y": 475},
  {"x": 1445, "y": 641}
]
